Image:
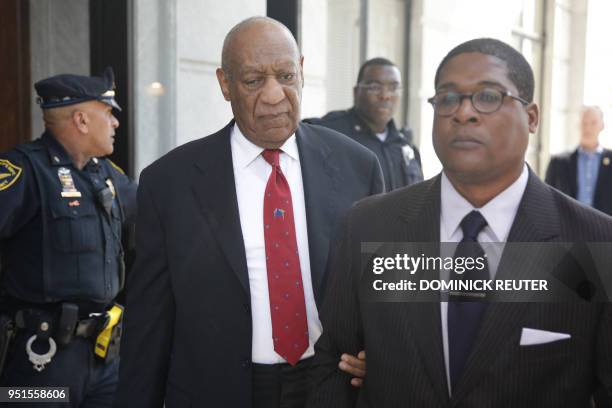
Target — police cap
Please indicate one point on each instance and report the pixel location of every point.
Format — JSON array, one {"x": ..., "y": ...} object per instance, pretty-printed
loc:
[{"x": 69, "y": 89}]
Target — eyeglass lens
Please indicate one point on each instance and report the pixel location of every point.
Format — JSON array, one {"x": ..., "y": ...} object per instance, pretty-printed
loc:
[{"x": 486, "y": 100}]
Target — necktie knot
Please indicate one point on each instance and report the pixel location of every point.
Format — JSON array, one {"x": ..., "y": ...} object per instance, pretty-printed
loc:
[
  {"x": 271, "y": 156},
  {"x": 472, "y": 224}
]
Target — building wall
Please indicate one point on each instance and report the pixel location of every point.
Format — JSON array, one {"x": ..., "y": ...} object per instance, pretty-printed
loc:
[
  {"x": 331, "y": 41},
  {"x": 598, "y": 60},
  {"x": 314, "y": 31},
  {"x": 59, "y": 43},
  {"x": 563, "y": 84},
  {"x": 387, "y": 37},
  {"x": 177, "y": 48}
]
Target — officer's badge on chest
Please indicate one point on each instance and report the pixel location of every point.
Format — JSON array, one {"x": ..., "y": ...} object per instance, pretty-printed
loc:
[
  {"x": 111, "y": 186},
  {"x": 68, "y": 188},
  {"x": 408, "y": 153}
]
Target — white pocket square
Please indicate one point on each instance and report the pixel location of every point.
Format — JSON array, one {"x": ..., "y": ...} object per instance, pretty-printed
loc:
[{"x": 531, "y": 337}]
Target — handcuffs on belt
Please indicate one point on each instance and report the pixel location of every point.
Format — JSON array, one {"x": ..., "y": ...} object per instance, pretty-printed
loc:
[
  {"x": 107, "y": 341},
  {"x": 39, "y": 360}
]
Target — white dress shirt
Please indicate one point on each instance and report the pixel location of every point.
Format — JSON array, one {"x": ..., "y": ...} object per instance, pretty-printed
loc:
[
  {"x": 251, "y": 173},
  {"x": 499, "y": 214}
]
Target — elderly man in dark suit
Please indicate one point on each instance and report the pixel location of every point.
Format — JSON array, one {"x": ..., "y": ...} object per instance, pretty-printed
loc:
[
  {"x": 233, "y": 239},
  {"x": 449, "y": 352},
  {"x": 586, "y": 173}
]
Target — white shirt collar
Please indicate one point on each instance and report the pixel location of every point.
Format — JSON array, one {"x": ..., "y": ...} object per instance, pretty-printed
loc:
[
  {"x": 247, "y": 151},
  {"x": 383, "y": 136},
  {"x": 499, "y": 212}
]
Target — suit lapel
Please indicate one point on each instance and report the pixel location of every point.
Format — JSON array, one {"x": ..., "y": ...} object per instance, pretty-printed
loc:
[
  {"x": 603, "y": 178},
  {"x": 573, "y": 174},
  {"x": 423, "y": 226},
  {"x": 537, "y": 220},
  {"x": 319, "y": 176},
  {"x": 215, "y": 192}
]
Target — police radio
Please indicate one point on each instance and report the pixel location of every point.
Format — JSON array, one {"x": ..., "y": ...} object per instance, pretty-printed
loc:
[{"x": 105, "y": 199}]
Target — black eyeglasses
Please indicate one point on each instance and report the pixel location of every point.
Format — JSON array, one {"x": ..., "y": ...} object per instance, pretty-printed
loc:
[{"x": 486, "y": 100}]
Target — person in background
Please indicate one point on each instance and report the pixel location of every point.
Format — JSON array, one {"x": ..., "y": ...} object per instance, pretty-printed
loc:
[
  {"x": 370, "y": 122},
  {"x": 586, "y": 173}
]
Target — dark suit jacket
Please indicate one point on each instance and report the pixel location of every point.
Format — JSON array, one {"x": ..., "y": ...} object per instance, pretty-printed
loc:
[
  {"x": 188, "y": 324},
  {"x": 403, "y": 341},
  {"x": 562, "y": 173}
]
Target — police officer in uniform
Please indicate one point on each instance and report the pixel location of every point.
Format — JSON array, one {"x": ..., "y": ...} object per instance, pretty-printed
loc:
[
  {"x": 62, "y": 207},
  {"x": 370, "y": 122}
]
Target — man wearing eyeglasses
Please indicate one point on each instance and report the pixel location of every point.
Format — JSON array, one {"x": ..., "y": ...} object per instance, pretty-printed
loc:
[
  {"x": 370, "y": 122},
  {"x": 437, "y": 349}
]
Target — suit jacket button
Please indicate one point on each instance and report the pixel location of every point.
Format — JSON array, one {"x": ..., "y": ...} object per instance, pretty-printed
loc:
[
  {"x": 247, "y": 308},
  {"x": 246, "y": 363}
]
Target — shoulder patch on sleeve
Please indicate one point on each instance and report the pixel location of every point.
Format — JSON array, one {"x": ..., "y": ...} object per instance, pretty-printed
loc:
[
  {"x": 9, "y": 173},
  {"x": 119, "y": 169}
]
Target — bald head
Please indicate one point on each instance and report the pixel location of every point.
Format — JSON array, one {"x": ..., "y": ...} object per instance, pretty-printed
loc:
[
  {"x": 591, "y": 125},
  {"x": 252, "y": 31},
  {"x": 262, "y": 78}
]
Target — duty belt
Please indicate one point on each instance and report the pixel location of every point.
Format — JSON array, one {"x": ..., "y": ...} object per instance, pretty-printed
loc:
[
  {"x": 38, "y": 321},
  {"x": 59, "y": 326}
]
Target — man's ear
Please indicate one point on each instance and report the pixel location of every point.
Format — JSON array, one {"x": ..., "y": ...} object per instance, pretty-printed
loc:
[
  {"x": 533, "y": 116},
  {"x": 223, "y": 79},
  {"x": 81, "y": 121},
  {"x": 302, "y": 69}
]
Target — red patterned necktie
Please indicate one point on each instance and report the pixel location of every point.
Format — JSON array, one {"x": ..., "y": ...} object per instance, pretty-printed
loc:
[{"x": 287, "y": 305}]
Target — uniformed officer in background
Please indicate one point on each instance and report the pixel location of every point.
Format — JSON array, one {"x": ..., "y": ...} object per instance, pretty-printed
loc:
[
  {"x": 62, "y": 207},
  {"x": 370, "y": 122}
]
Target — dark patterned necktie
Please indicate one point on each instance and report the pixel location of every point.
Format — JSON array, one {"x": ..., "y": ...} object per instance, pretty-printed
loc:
[
  {"x": 465, "y": 309},
  {"x": 287, "y": 305}
]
